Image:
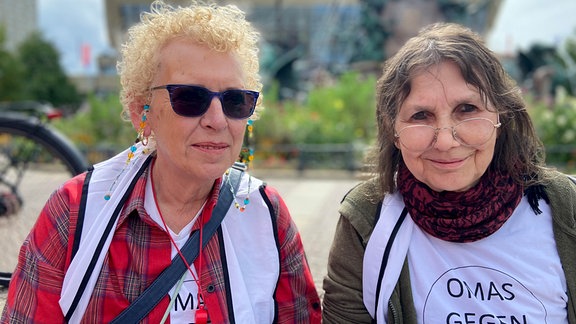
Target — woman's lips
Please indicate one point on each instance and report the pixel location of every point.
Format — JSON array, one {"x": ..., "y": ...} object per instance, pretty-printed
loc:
[
  {"x": 448, "y": 164},
  {"x": 211, "y": 146}
]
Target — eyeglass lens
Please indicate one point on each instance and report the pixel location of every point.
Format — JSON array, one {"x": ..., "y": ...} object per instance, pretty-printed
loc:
[
  {"x": 471, "y": 132},
  {"x": 194, "y": 101}
]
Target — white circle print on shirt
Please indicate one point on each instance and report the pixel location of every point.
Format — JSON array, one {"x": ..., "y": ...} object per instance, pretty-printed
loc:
[{"x": 476, "y": 294}]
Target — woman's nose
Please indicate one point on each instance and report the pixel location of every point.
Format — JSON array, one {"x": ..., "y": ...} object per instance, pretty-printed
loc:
[
  {"x": 214, "y": 117},
  {"x": 445, "y": 139}
]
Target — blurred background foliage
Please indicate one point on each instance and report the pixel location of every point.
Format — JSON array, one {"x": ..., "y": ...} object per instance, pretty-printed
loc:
[
  {"x": 98, "y": 129},
  {"x": 556, "y": 126},
  {"x": 34, "y": 72},
  {"x": 341, "y": 113}
]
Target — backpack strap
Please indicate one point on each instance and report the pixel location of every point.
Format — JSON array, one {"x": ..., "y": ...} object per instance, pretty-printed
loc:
[{"x": 81, "y": 213}]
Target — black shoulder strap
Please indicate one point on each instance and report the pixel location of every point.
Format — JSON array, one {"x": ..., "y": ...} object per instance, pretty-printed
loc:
[
  {"x": 81, "y": 212},
  {"x": 387, "y": 254},
  {"x": 140, "y": 307}
]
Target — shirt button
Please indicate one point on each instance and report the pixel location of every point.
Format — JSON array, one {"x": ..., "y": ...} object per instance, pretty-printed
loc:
[{"x": 210, "y": 288}]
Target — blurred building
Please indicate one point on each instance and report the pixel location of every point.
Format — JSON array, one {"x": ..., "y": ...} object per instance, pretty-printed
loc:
[
  {"x": 292, "y": 31},
  {"x": 18, "y": 18},
  {"x": 305, "y": 38},
  {"x": 406, "y": 17}
]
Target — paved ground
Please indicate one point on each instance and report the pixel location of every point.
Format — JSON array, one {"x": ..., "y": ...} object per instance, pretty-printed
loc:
[{"x": 313, "y": 198}]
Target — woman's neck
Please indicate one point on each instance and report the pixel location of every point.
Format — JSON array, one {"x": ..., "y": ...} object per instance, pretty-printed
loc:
[{"x": 178, "y": 198}]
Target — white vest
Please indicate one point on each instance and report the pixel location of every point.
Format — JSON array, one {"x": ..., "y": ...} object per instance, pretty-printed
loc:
[
  {"x": 392, "y": 207},
  {"x": 253, "y": 266},
  {"x": 252, "y": 256}
]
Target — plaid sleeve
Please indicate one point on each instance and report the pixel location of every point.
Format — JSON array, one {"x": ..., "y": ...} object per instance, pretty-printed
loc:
[
  {"x": 35, "y": 286},
  {"x": 296, "y": 294}
]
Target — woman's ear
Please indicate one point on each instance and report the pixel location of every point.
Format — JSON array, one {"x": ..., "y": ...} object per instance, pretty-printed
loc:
[
  {"x": 397, "y": 143},
  {"x": 136, "y": 110}
]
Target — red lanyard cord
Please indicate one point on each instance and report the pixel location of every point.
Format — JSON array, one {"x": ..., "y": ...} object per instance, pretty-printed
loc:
[{"x": 197, "y": 279}]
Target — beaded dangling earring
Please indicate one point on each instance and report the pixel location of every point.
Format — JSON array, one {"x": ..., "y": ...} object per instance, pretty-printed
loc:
[
  {"x": 246, "y": 200},
  {"x": 246, "y": 156},
  {"x": 139, "y": 138},
  {"x": 247, "y": 153}
]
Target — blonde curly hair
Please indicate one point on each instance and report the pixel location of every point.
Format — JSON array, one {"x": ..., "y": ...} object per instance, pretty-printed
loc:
[{"x": 221, "y": 28}]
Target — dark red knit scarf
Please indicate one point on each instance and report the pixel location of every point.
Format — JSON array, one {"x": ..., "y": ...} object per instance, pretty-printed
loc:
[{"x": 460, "y": 216}]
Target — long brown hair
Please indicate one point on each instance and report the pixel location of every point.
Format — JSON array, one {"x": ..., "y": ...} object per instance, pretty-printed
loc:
[{"x": 518, "y": 150}]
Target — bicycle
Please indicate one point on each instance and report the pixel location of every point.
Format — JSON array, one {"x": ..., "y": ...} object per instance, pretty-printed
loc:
[{"x": 34, "y": 159}]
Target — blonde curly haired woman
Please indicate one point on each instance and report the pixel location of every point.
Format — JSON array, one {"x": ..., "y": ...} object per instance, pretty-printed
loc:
[{"x": 169, "y": 230}]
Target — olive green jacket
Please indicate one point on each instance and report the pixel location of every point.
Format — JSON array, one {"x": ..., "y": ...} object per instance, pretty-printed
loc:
[{"x": 343, "y": 301}]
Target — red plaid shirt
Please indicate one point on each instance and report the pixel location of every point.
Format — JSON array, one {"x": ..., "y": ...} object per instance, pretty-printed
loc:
[{"x": 140, "y": 250}]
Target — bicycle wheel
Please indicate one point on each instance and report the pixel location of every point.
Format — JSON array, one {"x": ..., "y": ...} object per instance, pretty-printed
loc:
[{"x": 34, "y": 160}]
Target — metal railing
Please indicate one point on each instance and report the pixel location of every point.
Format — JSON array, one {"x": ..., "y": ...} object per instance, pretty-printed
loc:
[{"x": 318, "y": 156}]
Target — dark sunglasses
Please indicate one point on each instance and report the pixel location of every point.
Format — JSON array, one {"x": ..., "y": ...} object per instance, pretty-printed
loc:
[{"x": 194, "y": 101}]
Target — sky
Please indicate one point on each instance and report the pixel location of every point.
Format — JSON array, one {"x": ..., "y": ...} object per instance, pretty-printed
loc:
[
  {"x": 72, "y": 24},
  {"x": 521, "y": 23}
]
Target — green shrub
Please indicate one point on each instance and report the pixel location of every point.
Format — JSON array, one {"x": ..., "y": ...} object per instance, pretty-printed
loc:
[
  {"x": 329, "y": 129},
  {"x": 556, "y": 127},
  {"x": 339, "y": 114}
]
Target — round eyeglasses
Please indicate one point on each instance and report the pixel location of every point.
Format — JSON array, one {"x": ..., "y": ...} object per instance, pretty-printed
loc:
[{"x": 470, "y": 132}]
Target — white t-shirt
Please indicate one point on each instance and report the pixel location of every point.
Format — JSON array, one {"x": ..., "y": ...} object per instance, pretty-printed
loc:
[
  {"x": 253, "y": 276},
  {"x": 511, "y": 276},
  {"x": 183, "y": 307}
]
